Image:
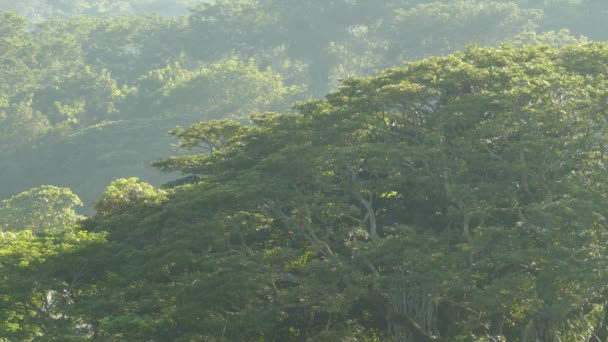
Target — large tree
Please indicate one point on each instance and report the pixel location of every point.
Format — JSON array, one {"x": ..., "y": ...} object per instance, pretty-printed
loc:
[
  {"x": 45, "y": 266},
  {"x": 39, "y": 209},
  {"x": 455, "y": 199}
]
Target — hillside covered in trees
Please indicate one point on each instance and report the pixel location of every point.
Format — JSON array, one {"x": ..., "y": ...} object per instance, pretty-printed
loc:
[{"x": 278, "y": 170}]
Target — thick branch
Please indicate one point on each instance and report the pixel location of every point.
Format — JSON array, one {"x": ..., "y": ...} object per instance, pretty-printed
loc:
[
  {"x": 369, "y": 214},
  {"x": 524, "y": 174},
  {"x": 418, "y": 334},
  {"x": 306, "y": 231}
]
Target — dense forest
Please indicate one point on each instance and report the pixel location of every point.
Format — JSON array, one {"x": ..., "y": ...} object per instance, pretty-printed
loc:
[{"x": 311, "y": 170}]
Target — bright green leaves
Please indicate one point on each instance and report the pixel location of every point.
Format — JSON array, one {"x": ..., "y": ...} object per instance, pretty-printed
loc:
[
  {"x": 123, "y": 194},
  {"x": 40, "y": 209},
  {"x": 41, "y": 277}
]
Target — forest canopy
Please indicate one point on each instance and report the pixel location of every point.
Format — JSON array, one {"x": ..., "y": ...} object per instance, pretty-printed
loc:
[{"x": 264, "y": 170}]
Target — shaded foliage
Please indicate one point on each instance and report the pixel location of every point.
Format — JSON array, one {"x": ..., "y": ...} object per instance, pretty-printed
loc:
[{"x": 460, "y": 197}]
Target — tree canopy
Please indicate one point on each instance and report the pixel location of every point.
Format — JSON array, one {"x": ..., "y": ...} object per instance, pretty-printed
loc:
[
  {"x": 75, "y": 73},
  {"x": 458, "y": 198},
  {"x": 265, "y": 170}
]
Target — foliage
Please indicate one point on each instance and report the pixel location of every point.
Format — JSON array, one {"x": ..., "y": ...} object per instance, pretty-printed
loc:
[
  {"x": 39, "y": 209},
  {"x": 89, "y": 66},
  {"x": 226, "y": 88},
  {"x": 41, "y": 9},
  {"x": 40, "y": 279},
  {"x": 20, "y": 125},
  {"x": 16, "y": 57},
  {"x": 232, "y": 88},
  {"x": 79, "y": 98},
  {"x": 560, "y": 38},
  {"x": 458, "y": 198},
  {"x": 399, "y": 186},
  {"x": 440, "y": 28},
  {"x": 124, "y": 193},
  {"x": 455, "y": 198}
]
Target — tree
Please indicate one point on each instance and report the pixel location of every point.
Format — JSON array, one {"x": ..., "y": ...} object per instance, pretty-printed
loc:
[
  {"x": 440, "y": 28},
  {"x": 80, "y": 98},
  {"x": 45, "y": 9},
  {"x": 20, "y": 125},
  {"x": 17, "y": 56},
  {"x": 456, "y": 198},
  {"x": 581, "y": 17},
  {"x": 129, "y": 47},
  {"x": 40, "y": 209},
  {"x": 124, "y": 193},
  {"x": 44, "y": 265},
  {"x": 305, "y": 30},
  {"x": 42, "y": 277},
  {"x": 228, "y": 88}
]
